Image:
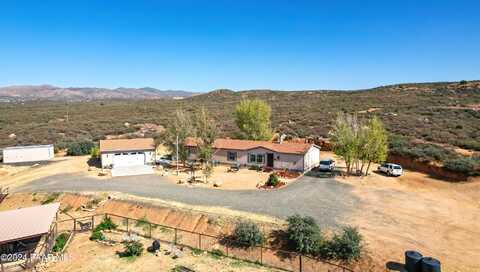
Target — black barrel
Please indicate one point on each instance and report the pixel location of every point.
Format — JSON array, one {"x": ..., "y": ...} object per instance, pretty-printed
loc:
[
  {"x": 430, "y": 264},
  {"x": 413, "y": 261}
]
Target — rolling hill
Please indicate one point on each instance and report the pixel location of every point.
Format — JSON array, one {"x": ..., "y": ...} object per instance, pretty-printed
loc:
[
  {"x": 445, "y": 112},
  {"x": 53, "y": 93}
]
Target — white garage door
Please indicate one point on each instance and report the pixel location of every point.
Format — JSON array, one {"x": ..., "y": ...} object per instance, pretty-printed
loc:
[{"x": 128, "y": 159}]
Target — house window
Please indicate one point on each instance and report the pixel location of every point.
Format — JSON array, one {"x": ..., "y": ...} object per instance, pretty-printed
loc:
[
  {"x": 232, "y": 156},
  {"x": 259, "y": 158},
  {"x": 256, "y": 158}
]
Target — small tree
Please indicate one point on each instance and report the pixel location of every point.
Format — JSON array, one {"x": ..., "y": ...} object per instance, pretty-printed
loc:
[
  {"x": 343, "y": 137},
  {"x": 248, "y": 234},
  {"x": 207, "y": 170},
  {"x": 95, "y": 152},
  {"x": 206, "y": 132},
  {"x": 376, "y": 145},
  {"x": 304, "y": 234},
  {"x": 181, "y": 127},
  {"x": 253, "y": 119}
]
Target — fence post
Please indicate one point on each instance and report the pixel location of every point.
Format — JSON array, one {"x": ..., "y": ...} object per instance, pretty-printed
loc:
[
  {"x": 74, "y": 225},
  {"x": 175, "y": 241},
  {"x": 127, "y": 224},
  {"x": 93, "y": 222},
  {"x": 150, "y": 230},
  {"x": 261, "y": 254},
  {"x": 199, "y": 241},
  {"x": 300, "y": 258}
]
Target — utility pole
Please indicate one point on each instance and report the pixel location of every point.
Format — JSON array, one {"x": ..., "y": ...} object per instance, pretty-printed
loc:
[{"x": 177, "y": 155}]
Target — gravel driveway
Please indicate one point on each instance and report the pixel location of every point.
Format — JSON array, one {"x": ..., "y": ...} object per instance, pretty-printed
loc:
[{"x": 322, "y": 198}]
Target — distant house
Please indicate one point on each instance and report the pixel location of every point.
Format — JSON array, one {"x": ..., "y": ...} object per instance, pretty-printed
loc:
[
  {"x": 29, "y": 153},
  {"x": 127, "y": 152},
  {"x": 277, "y": 155}
]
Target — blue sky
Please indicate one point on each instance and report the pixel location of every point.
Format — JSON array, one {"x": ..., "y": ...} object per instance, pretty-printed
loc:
[{"x": 204, "y": 45}]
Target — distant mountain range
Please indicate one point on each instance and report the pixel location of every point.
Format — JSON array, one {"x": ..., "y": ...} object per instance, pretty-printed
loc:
[{"x": 53, "y": 93}]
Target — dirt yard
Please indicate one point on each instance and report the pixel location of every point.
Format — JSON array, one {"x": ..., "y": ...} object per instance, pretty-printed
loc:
[
  {"x": 414, "y": 211},
  {"x": 244, "y": 179},
  {"x": 85, "y": 255},
  {"x": 13, "y": 176}
]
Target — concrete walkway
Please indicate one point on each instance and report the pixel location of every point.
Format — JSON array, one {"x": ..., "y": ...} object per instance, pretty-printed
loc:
[{"x": 324, "y": 199}]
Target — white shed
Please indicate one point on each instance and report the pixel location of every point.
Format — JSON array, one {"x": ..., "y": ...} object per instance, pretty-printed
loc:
[{"x": 30, "y": 153}]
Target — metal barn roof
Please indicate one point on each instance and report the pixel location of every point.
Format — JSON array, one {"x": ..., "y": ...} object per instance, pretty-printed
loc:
[
  {"x": 27, "y": 147},
  {"x": 26, "y": 222}
]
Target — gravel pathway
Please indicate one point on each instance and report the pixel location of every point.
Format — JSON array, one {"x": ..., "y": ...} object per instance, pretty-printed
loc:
[{"x": 322, "y": 198}]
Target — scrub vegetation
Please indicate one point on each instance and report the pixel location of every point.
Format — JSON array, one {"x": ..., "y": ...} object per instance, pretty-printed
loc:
[{"x": 439, "y": 113}]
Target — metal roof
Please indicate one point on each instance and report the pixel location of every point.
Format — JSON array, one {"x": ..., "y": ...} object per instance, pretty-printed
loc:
[
  {"x": 26, "y": 222},
  {"x": 27, "y": 146}
]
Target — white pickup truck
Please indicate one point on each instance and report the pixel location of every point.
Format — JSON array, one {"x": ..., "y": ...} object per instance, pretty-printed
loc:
[{"x": 391, "y": 169}]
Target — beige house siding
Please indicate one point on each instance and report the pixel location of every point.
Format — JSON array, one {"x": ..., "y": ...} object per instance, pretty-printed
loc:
[
  {"x": 280, "y": 160},
  {"x": 294, "y": 162}
]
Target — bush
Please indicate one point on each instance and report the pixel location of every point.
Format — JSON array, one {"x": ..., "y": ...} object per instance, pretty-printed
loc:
[
  {"x": 346, "y": 246},
  {"x": 97, "y": 235},
  {"x": 273, "y": 180},
  {"x": 95, "y": 152},
  {"x": 304, "y": 234},
  {"x": 60, "y": 242},
  {"x": 248, "y": 234},
  {"x": 106, "y": 224},
  {"x": 466, "y": 165},
  {"x": 469, "y": 144},
  {"x": 423, "y": 152},
  {"x": 80, "y": 148},
  {"x": 132, "y": 248},
  {"x": 50, "y": 198}
]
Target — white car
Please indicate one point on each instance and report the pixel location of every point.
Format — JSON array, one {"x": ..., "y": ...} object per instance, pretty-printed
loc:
[
  {"x": 391, "y": 169},
  {"x": 327, "y": 165},
  {"x": 165, "y": 160}
]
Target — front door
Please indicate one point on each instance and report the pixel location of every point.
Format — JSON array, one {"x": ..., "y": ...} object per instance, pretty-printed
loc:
[{"x": 270, "y": 160}]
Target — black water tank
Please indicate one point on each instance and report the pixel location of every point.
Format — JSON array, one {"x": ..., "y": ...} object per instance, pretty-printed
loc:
[
  {"x": 156, "y": 245},
  {"x": 413, "y": 261},
  {"x": 430, "y": 264}
]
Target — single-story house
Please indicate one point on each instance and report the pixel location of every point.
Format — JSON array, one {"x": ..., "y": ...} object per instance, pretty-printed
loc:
[
  {"x": 127, "y": 152},
  {"x": 277, "y": 155},
  {"x": 29, "y": 153}
]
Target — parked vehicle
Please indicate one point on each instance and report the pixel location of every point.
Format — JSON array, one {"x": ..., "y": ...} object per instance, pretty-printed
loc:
[
  {"x": 391, "y": 169},
  {"x": 165, "y": 160},
  {"x": 327, "y": 165}
]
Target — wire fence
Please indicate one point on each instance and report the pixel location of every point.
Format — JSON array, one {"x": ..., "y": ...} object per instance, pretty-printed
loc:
[{"x": 267, "y": 256}]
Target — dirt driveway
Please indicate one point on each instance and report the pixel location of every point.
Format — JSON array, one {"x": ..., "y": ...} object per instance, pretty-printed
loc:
[{"x": 325, "y": 199}]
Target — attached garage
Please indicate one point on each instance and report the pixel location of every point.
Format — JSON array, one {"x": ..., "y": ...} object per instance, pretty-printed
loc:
[
  {"x": 121, "y": 153},
  {"x": 129, "y": 159},
  {"x": 31, "y": 153}
]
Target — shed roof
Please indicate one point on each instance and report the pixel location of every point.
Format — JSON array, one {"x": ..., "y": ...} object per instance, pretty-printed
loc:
[
  {"x": 127, "y": 144},
  {"x": 234, "y": 144},
  {"x": 27, "y": 147},
  {"x": 27, "y": 222}
]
